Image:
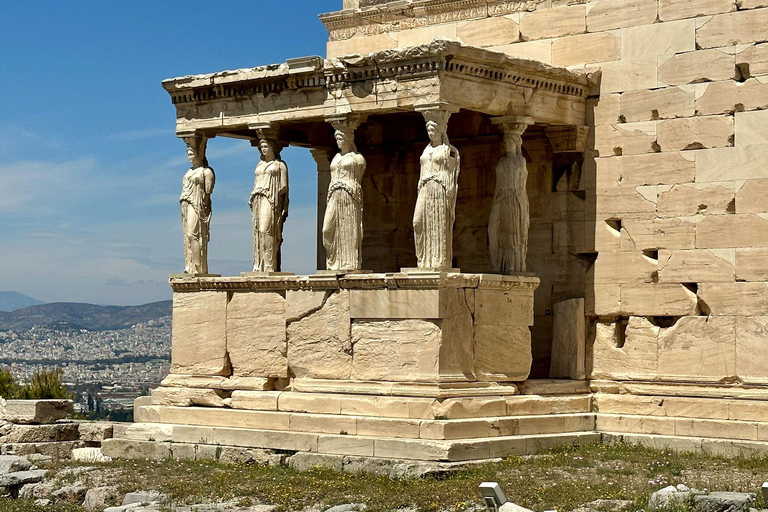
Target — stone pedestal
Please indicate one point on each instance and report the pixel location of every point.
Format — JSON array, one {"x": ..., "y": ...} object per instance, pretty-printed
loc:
[{"x": 427, "y": 334}]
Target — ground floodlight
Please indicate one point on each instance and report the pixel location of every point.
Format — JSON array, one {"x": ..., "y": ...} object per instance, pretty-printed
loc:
[
  {"x": 492, "y": 494},
  {"x": 764, "y": 490}
]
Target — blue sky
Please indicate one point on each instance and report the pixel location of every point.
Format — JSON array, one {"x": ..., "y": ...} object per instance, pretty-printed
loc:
[{"x": 90, "y": 168}]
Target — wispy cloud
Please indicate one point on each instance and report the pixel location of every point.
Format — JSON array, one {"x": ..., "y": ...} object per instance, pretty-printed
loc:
[{"x": 145, "y": 133}]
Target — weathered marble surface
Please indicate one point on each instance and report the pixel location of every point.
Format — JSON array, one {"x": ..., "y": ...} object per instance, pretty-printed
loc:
[
  {"x": 195, "y": 202},
  {"x": 269, "y": 205}
]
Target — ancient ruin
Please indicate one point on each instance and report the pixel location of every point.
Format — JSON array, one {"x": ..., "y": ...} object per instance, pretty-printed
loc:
[{"x": 538, "y": 223}]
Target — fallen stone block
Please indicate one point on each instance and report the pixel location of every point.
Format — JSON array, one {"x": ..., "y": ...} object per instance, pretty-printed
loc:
[
  {"x": 143, "y": 497},
  {"x": 34, "y": 411},
  {"x": 724, "y": 502},
  {"x": 14, "y": 481},
  {"x": 12, "y": 464},
  {"x": 69, "y": 493},
  {"x": 96, "y": 498},
  {"x": 304, "y": 461},
  {"x": 89, "y": 455},
  {"x": 41, "y": 433},
  {"x": 668, "y": 497},
  {"x": 95, "y": 432},
  {"x": 55, "y": 450}
]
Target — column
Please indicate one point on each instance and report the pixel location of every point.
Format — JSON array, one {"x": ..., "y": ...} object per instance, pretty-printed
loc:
[
  {"x": 435, "y": 211},
  {"x": 510, "y": 213},
  {"x": 342, "y": 228},
  {"x": 268, "y": 200},
  {"x": 195, "y": 203}
]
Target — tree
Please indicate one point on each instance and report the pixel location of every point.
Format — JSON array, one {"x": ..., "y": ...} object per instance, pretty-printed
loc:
[
  {"x": 9, "y": 388},
  {"x": 46, "y": 385}
]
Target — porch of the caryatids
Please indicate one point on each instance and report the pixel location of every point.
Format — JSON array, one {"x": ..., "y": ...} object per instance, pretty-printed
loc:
[
  {"x": 268, "y": 200},
  {"x": 195, "y": 203},
  {"x": 435, "y": 211},
  {"x": 510, "y": 214},
  {"x": 342, "y": 230}
]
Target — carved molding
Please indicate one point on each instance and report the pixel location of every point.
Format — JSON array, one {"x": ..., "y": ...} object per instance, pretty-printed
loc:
[{"x": 567, "y": 139}]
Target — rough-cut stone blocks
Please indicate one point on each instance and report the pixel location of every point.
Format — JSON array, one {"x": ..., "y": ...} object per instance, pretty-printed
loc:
[
  {"x": 256, "y": 339},
  {"x": 199, "y": 345},
  {"x": 568, "y": 340}
]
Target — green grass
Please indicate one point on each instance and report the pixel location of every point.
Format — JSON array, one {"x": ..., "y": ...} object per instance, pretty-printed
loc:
[{"x": 560, "y": 479}]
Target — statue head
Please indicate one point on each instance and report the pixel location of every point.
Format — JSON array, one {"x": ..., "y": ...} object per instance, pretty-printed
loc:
[
  {"x": 196, "y": 150},
  {"x": 268, "y": 149},
  {"x": 437, "y": 125},
  {"x": 345, "y": 140}
]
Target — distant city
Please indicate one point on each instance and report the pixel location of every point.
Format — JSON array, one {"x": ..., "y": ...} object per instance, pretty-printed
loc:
[{"x": 110, "y": 355}]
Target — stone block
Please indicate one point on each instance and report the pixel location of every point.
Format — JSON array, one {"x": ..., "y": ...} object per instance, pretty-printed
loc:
[
  {"x": 729, "y": 96},
  {"x": 459, "y": 309},
  {"x": 95, "y": 432},
  {"x": 185, "y": 397},
  {"x": 533, "y": 50},
  {"x": 41, "y": 433},
  {"x": 654, "y": 169},
  {"x": 756, "y": 58},
  {"x": 323, "y": 424},
  {"x": 735, "y": 298},
  {"x": 752, "y": 264},
  {"x": 698, "y": 348},
  {"x": 628, "y": 74},
  {"x": 726, "y": 231},
  {"x": 405, "y": 350},
  {"x": 345, "y": 445},
  {"x": 256, "y": 339},
  {"x": 489, "y": 31},
  {"x": 390, "y": 407},
  {"x": 695, "y": 266},
  {"x": 738, "y": 163},
  {"x": 396, "y": 303},
  {"x": 128, "y": 449},
  {"x": 387, "y": 427},
  {"x": 751, "y": 345},
  {"x": 624, "y": 202},
  {"x": 30, "y": 412},
  {"x": 272, "y": 439},
  {"x": 199, "y": 344},
  {"x": 425, "y": 35},
  {"x": 568, "y": 340},
  {"x": 610, "y": 14},
  {"x": 553, "y": 22},
  {"x": 657, "y": 300},
  {"x": 732, "y": 29},
  {"x": 622, "y": 267},
  {"x": 309, "y": 402},
  {"x": 603, "y": 299},
  {"x": 750, "y": 127},
  {"x": 654, "y": 39},
  {"x": 319, "y": 345},
  {"x": 682, "y": 9},
  {"x": 695, "y": 133},
  {"x": 604, "y": 110},
  {"x": 255, "y": 400},
  {"x": 625, "y": 139},
  {"x": 696, "y": 198},
  {"x": 751, "y": 4},
  {"x": 586, "y": 49},
  {"x": 502, "y": 353},
  {"x": 638, "y": 235},
  {"x": 494, "y": 307},
  {"x": 469, "y": 407},
  {"x": 750, "y": 198},
  {"x": 362, "y": 45},
  {"x": 697, "y": 66},
  {"x": 634, "y": 359},
  {"x": 664, "y": 103}
]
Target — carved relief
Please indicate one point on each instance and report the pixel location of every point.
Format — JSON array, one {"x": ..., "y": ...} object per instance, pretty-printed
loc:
[
  {"x": 343, "y": 221},
  {"x": 268, "y": 203},
  {"x": 435, "y": 210},
  {"x": 195, "y": 203},
  {"x": 510, "y": 217}
]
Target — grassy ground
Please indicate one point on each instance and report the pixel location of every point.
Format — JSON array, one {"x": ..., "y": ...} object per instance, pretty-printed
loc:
[{"x": 561, "y": 479}]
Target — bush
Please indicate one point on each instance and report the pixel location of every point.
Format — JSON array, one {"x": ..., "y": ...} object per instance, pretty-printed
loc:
[
  {"x": 45, "y": 385},
  {"x": 9, "y": 388}
]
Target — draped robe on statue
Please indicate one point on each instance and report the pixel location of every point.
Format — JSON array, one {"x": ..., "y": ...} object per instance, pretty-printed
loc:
[
  {"x": 343, "y": 222},
  {"x": 435, "y": 210},
  {"x": 269, "y": 209},
  {"x": 509, "y": 220},
  {"x": 195, "y": 202}
]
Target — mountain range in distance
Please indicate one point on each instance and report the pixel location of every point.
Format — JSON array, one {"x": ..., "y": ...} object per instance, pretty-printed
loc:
[
  {"x": 75, "y": 315},
  {"x": 11, "y": 301}
]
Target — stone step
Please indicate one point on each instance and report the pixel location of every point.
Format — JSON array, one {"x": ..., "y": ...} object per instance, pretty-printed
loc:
[
  {"x": 164, "y": 441},
  {"x": 683, "y": 407},
  {"x": 381, "y": 406},
  {"x": 713, "y": 446},
  {"x": 365, "y": 425},
  {"x": 682, "y": 427}
]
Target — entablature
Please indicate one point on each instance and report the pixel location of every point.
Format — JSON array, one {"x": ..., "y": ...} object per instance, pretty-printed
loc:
[{"x": 389, "y": 81}]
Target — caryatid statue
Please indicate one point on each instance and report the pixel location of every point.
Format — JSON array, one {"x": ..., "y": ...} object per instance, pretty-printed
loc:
[
  {"x": 269, "y": 203},
  {"x": 195, "y": 202},
  {"x": 510, "y": 216},
  {"x": 343, "y": 221},
  {"x": 435, "y": 210}
]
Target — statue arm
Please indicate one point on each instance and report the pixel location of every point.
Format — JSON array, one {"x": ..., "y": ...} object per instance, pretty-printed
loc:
[
  {"x": 361, "y": 165},
  {"x": 283, "y": 178},
  {"x": 210, "y": 180}
]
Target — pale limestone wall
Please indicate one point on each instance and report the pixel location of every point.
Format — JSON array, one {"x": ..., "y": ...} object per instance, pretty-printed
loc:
[{"x": 674, "y": 213}]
